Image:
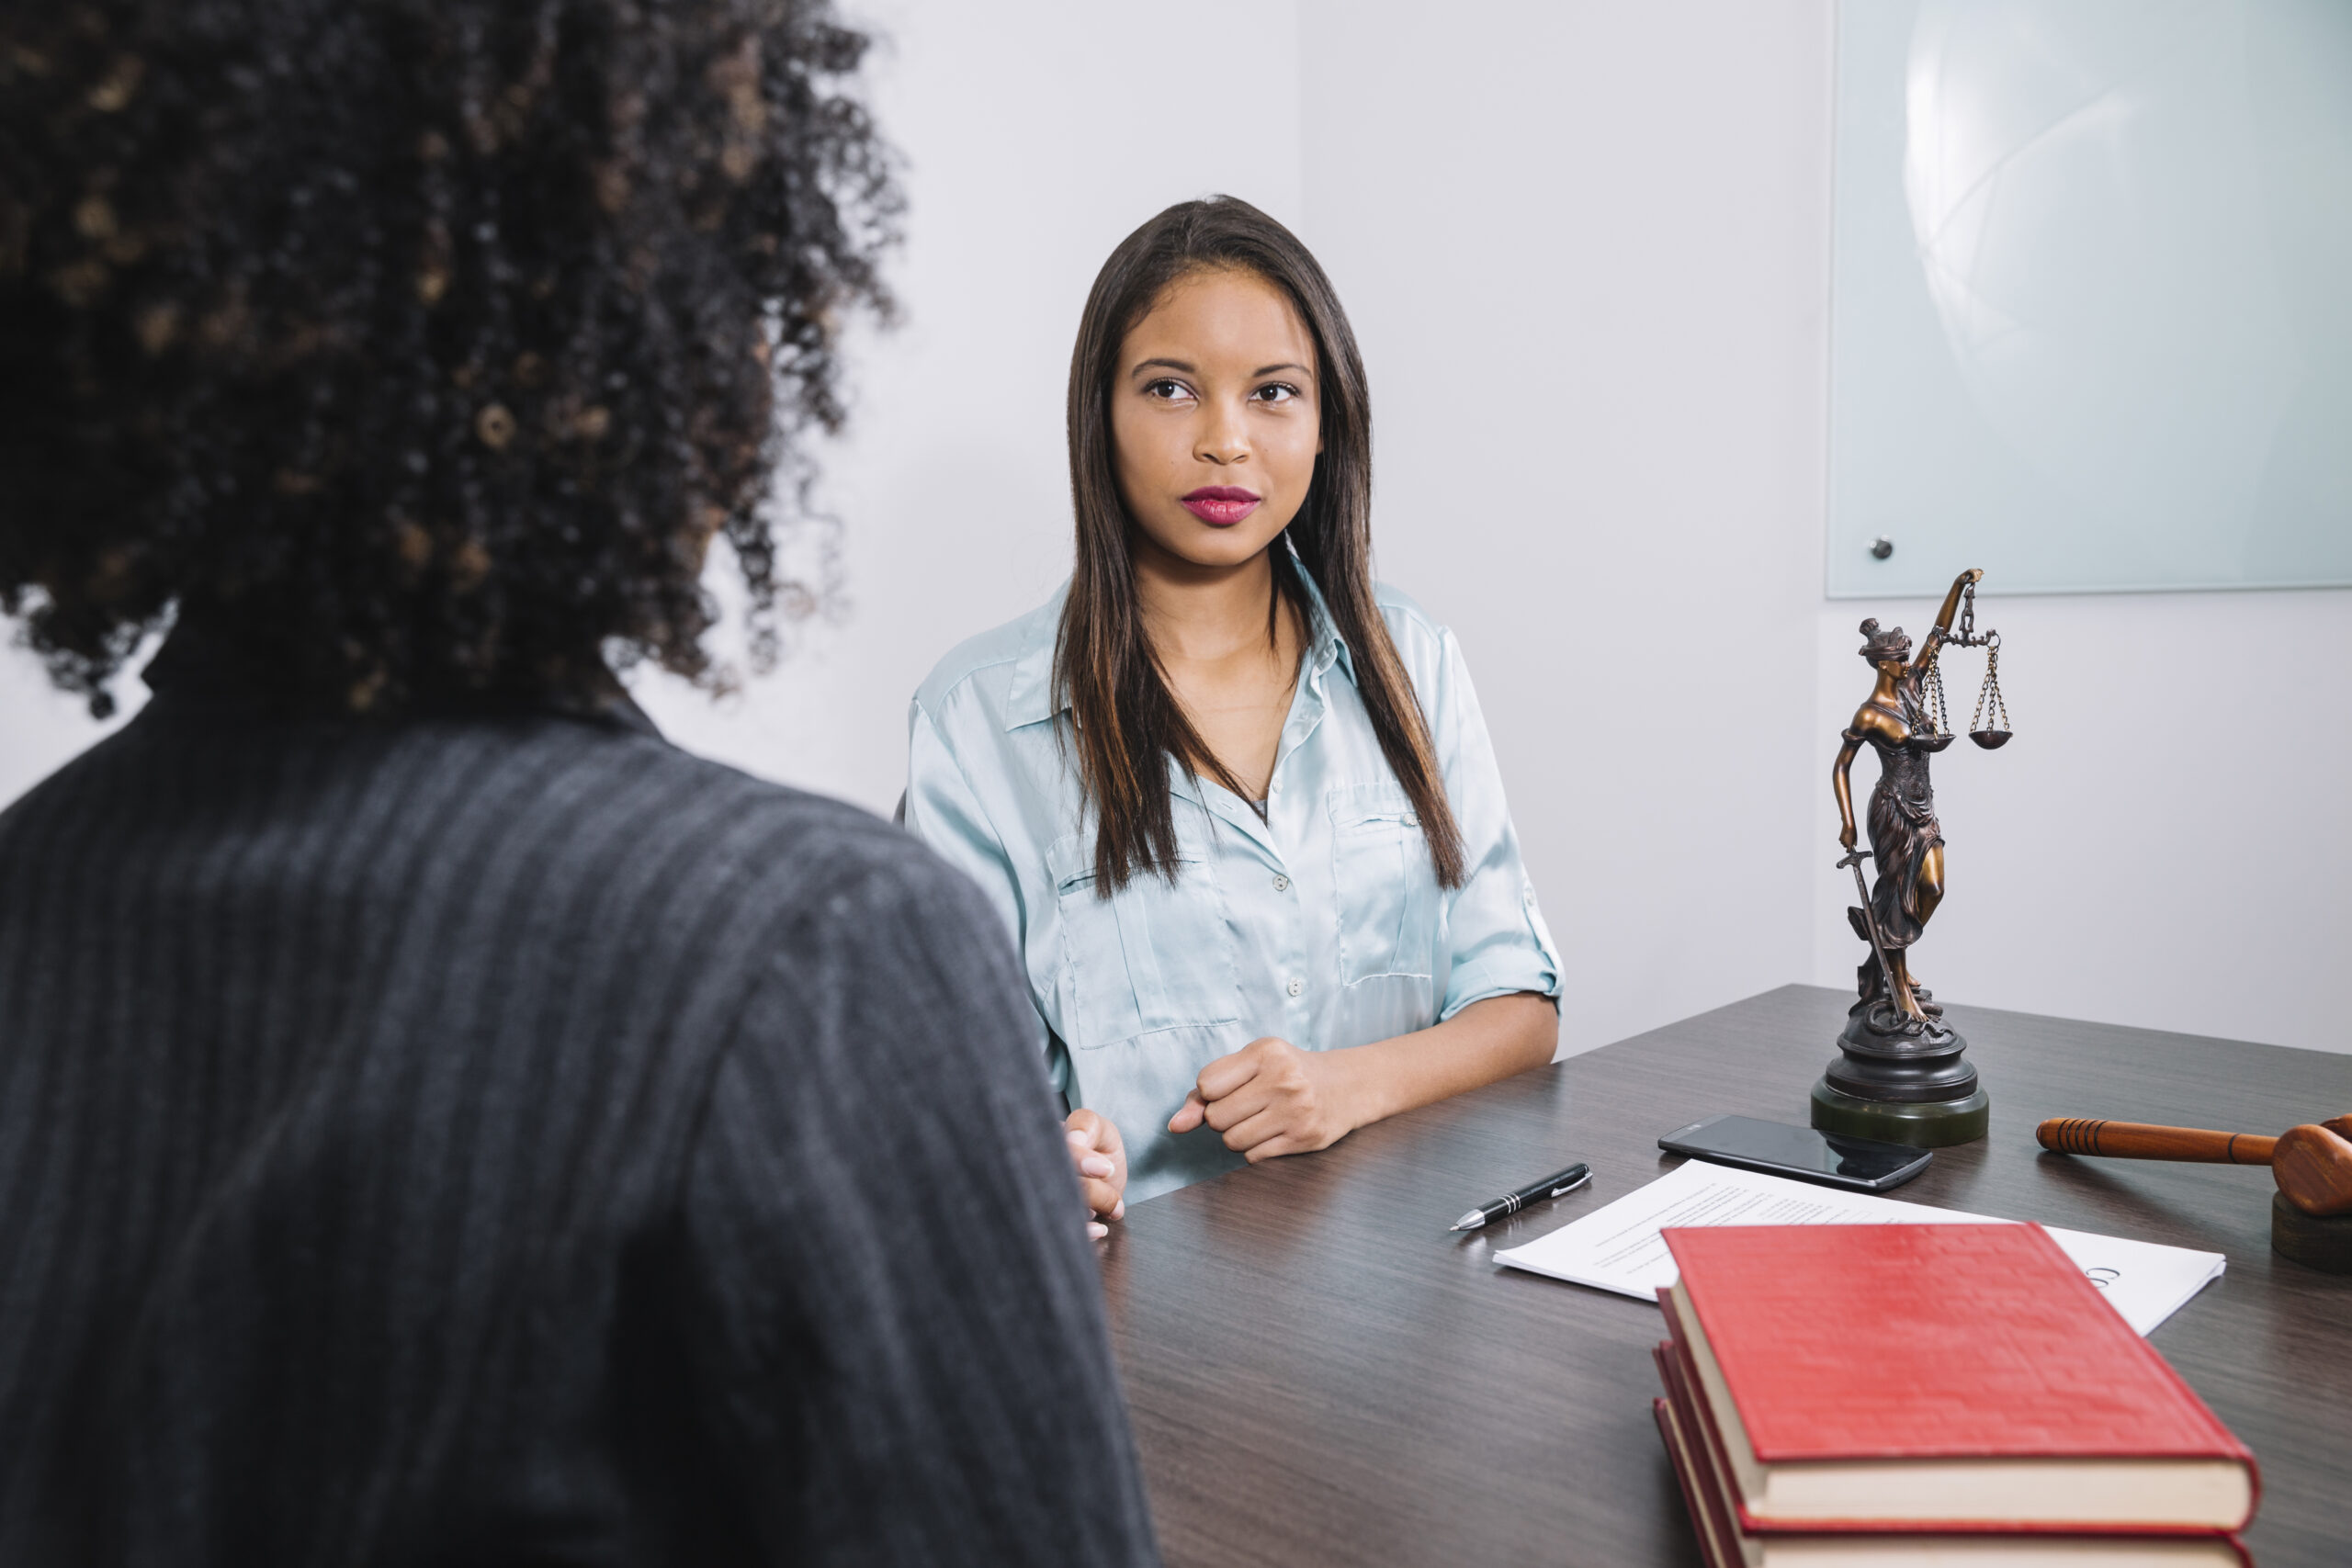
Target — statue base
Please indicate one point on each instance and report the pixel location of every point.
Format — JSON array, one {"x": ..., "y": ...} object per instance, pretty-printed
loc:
[
  {"x": 1900, "y": 1081},
  {"x": 1935, "y": 1125},
  {"x": 2312, "y": 1240}
]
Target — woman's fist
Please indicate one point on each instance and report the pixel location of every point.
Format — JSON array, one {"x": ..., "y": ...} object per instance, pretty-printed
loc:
[{"x": 1271, "y": 1098}]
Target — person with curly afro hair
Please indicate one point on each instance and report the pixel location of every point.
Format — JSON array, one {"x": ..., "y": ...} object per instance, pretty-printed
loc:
[
  {"x": 440, "y": 1122},
  {"x": 427, "y": 344}
]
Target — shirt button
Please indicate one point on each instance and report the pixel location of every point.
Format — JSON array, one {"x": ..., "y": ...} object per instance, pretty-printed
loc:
[
  {"x": 1297, "y": 987},
  {"x": 1282, "y": 884}
]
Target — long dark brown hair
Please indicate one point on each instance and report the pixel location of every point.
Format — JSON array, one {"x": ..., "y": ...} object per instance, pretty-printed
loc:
[{"x": 1127, "y": 722}]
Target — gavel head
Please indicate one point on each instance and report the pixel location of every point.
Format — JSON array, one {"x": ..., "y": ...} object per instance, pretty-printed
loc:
[{"x": 2312, "y": 1166}]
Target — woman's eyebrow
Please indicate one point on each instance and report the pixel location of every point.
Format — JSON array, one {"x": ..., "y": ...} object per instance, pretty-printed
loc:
[{"x": 1187, "y": 369}]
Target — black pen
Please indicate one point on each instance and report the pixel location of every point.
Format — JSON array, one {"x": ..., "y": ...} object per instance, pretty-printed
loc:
[{"x": 1552, "y": 1186}]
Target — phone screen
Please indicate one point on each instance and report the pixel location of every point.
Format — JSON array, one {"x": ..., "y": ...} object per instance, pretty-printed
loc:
[{"x": 1803, "y": 1152}]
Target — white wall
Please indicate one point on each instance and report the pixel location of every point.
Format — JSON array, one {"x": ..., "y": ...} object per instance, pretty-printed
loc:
[
  {"x": 1585, "y": 257},
  {"x": 1586, "y": 248},
  {"x": 40, "y": 727}
]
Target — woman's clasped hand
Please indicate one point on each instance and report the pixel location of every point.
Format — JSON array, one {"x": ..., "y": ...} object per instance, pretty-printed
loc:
[{"x": 1271, "y": 1098}]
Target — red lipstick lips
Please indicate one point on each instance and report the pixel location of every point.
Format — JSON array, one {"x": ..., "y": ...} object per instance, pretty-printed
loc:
[{"x": 1221, "y": 506}]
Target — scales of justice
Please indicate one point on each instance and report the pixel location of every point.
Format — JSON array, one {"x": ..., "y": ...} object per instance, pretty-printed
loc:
[{"x": 1900, "y": 1076}]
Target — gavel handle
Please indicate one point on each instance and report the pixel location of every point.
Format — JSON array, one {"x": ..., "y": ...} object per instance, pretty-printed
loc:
[{"x": 2138, "y": 1140}]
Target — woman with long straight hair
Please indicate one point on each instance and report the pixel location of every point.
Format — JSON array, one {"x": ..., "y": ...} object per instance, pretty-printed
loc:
[{"x": 1234, "y": 801}]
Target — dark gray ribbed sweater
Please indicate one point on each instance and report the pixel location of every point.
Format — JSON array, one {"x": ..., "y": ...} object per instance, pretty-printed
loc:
[{"x": 511, "y": 1140}]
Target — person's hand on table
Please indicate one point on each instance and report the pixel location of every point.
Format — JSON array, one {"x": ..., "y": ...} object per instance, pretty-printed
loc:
[
  {"x": 1101, "y": 1157},
  {"x": 1271, "y": 1098}
]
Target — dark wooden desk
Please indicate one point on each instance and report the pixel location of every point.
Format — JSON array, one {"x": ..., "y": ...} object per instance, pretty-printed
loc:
[{"x": 1319, "y": 1373}]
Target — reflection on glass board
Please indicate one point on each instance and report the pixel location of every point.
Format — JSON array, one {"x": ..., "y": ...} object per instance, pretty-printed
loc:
[{"x": 2092, "y": 308}]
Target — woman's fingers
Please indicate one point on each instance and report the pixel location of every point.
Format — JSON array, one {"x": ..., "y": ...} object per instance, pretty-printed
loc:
[
  {"x": 1284, "y": 1107},
  {"x": 1188, "y": 1115},
  {"x": 1084, "y": 1156},
  {"x": 1226, "y": 1074},
  {"x": 1090, "y": 1128},
  {"x": 1221, "y": 1081},
  {"x": 1099, "y": 1158},
  {"x": 1106, "y": 1135},
  {"x": 1218, "y": 1112},
  {"x": 1239, "y": 1106},
  {"x": 1262, "y": 1126},
  {"x": 1102, "y": 1198}
]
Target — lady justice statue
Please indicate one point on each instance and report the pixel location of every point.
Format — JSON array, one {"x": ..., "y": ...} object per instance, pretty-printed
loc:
[{"x": 1899, "y": 1075}]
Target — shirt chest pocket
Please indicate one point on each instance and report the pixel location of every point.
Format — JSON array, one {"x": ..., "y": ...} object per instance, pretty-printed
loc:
[
  {"x": 1154, "y": 955},
  {"x": 1387, "y": 894}
]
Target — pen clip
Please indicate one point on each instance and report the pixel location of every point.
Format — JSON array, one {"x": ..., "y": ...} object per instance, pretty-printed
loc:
[{"x": 1570, "y": 1186}]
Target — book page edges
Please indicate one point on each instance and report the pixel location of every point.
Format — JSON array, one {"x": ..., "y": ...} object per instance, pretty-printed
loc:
[
  {"x": 2006, "y": 1552},
  {"x": 1696, "y": 1427},
  {"x": 1705, "y": 1522},
  {"x": 2153, "y": 1495},
  {"x": 1697, "y": 1473}
]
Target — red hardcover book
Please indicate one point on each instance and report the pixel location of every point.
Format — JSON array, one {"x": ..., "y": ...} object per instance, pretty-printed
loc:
[
  {"x": 1937, "y": 1378},
  {"x": 1706, "y": 1521},
  {"x": 1722, "y": 1544}
]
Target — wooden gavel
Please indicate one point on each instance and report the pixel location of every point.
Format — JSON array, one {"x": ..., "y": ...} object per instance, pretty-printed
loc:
[{"x": 2312, "y": 1164}]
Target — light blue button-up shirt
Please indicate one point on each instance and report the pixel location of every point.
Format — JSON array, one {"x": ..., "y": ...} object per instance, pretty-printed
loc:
[{"x": 1323, "y": 923}]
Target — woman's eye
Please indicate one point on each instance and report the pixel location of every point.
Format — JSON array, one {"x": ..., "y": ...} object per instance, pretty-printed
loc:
[
  {"x": 1170, "y": 390},
  {"x": 1276, "y": 392}
]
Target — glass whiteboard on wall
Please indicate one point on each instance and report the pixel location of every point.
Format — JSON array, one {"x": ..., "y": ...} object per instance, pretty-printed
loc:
[{"x": 2091, "y": 314}]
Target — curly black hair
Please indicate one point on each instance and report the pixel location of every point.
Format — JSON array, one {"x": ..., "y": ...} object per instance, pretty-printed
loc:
[{"x": 427, "y": 342}]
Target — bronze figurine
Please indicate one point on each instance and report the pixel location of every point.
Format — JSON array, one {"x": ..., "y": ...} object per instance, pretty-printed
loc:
[{"x": 1900, "y": 1076}]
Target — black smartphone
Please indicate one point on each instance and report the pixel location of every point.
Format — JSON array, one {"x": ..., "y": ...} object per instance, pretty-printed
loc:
[{"x": 1806, "y": 1153}]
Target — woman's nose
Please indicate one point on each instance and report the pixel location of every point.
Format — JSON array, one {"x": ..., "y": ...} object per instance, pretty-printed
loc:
[{"x": 1223, "y": 441}]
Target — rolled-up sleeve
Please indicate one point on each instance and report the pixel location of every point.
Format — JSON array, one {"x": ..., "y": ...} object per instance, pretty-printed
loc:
[{"x": 1495, "y": 933}]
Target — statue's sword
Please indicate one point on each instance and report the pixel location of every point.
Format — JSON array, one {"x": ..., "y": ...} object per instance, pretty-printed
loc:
[{"x": 1870, "y": 920}]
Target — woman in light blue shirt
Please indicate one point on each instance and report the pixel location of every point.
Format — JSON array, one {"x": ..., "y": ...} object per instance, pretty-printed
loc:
[{"x": 1236, "y": 804}]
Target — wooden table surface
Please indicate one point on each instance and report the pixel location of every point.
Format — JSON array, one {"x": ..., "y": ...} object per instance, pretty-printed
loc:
[{"x": 1319, "y": 1373}]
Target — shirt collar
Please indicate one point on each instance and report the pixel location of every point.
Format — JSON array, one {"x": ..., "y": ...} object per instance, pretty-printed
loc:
[
  {"x": 1325, "y": 644},
  {"x": 1030, "y": 699}
]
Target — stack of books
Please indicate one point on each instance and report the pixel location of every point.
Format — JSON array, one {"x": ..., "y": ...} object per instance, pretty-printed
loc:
[{"x": 1947, "y": 1395}]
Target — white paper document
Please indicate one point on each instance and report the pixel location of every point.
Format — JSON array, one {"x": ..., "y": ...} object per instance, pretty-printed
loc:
[{"x": 1618, "y": 1248}]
